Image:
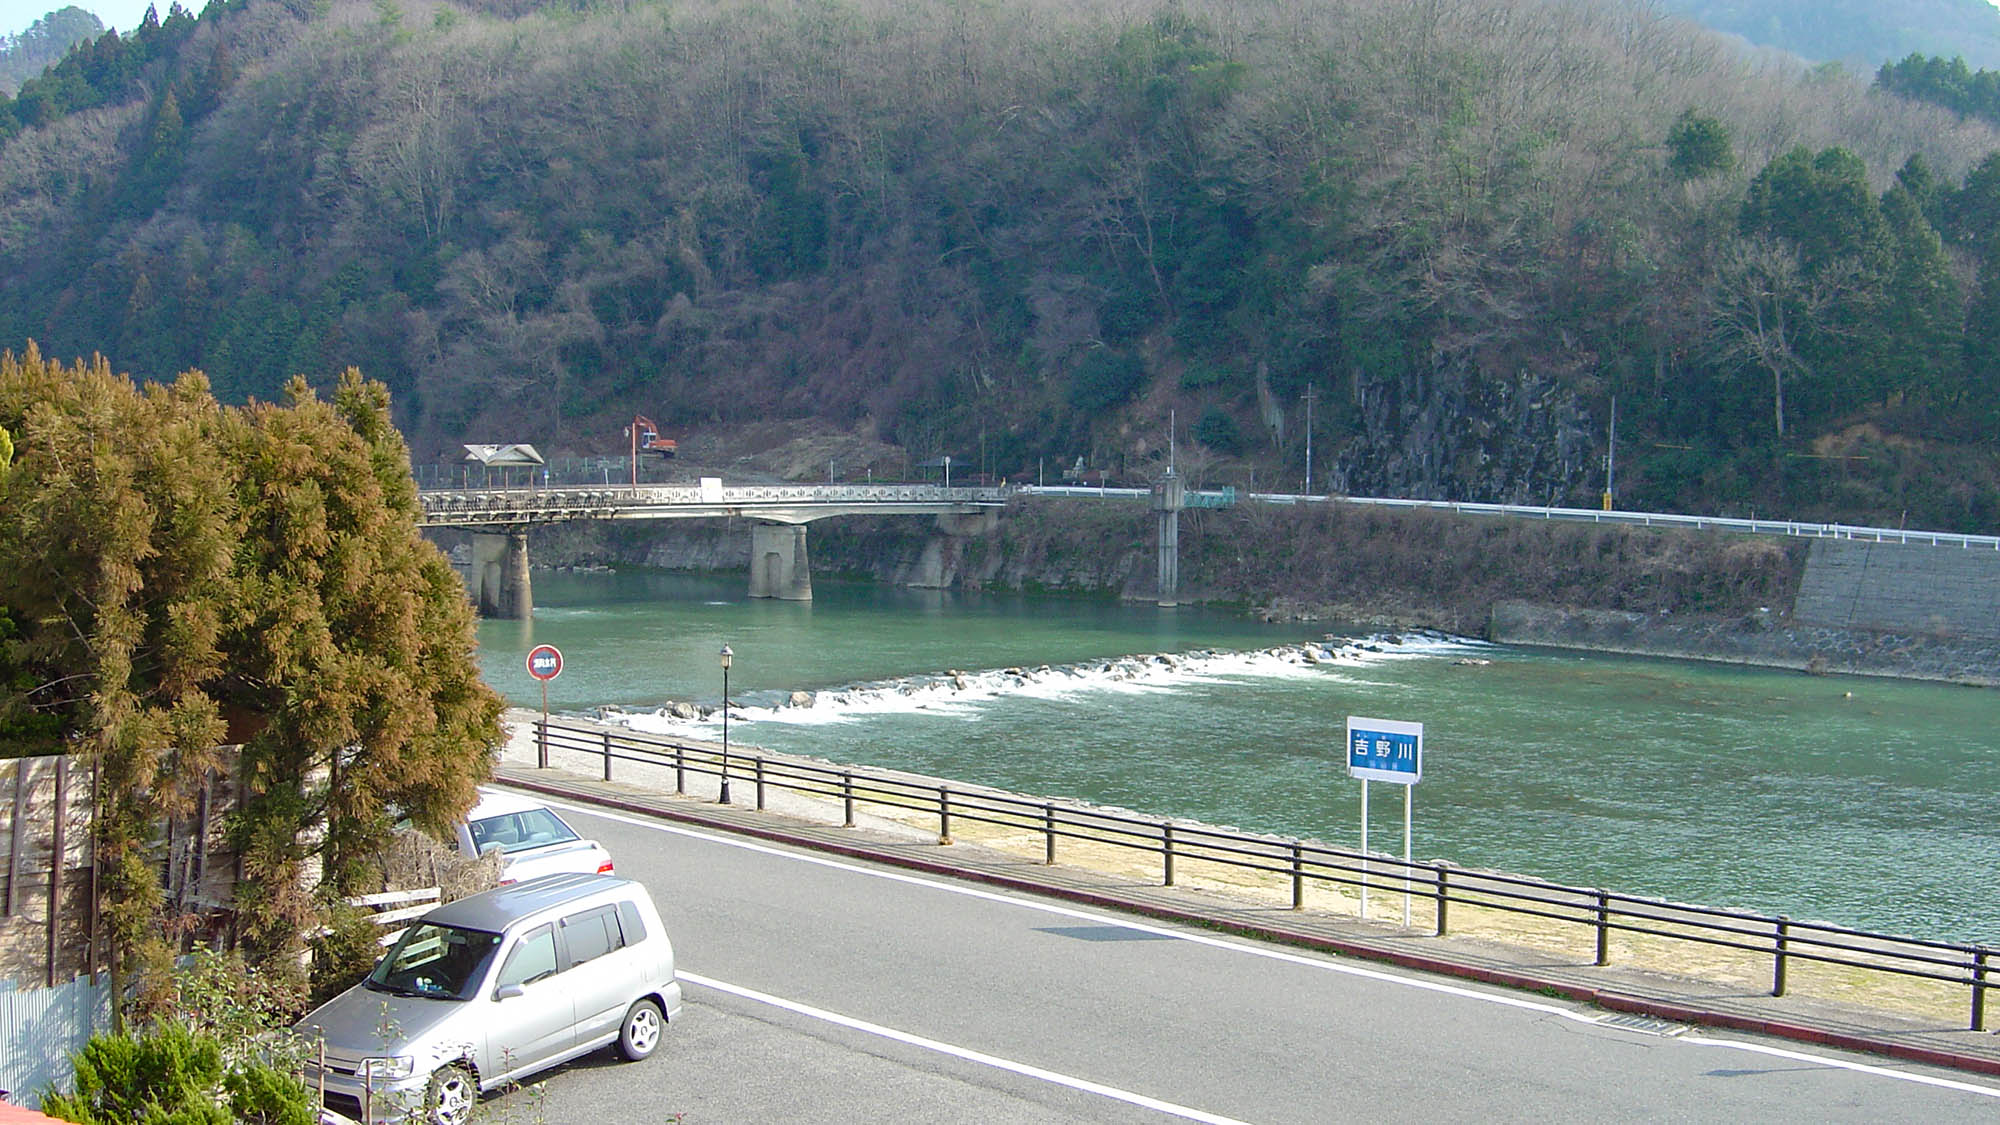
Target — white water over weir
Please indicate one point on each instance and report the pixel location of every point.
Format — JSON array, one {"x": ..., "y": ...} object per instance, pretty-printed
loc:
[{"x": 958, "y": 694}]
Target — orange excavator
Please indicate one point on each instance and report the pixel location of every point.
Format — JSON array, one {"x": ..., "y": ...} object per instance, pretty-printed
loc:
[{"x": 646, "y": 438}]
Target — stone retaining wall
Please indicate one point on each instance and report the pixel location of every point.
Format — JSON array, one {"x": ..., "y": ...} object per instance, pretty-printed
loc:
[
  {"x": 1769, "y": 639},
  {"x": 1944, "y": 592}
]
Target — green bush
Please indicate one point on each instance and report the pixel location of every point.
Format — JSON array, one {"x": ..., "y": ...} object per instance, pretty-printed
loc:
[
  {"x": 1105, "y": 378},
  {"x": 344, "y": 953},
  {"x": 1219, "y": 432},
  {"x": 170, "y": 1074}
]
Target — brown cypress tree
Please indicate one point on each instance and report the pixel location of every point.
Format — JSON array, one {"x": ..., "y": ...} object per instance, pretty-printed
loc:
[{"x": 177, "y": 569}]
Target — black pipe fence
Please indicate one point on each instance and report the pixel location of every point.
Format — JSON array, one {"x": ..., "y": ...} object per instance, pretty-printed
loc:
[{"x": 1442, "y": 885}]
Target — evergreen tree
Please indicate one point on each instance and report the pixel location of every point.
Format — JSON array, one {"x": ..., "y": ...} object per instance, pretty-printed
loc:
[{"x": 182, "y": 570}]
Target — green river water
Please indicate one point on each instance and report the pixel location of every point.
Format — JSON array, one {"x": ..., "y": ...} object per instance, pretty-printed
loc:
[{"x": 1864, "y": 802}]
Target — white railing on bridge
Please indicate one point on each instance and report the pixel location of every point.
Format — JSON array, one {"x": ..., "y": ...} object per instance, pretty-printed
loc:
[
  {"x": 450, "y": 506},
  {"x": 1585, "y": 515}
]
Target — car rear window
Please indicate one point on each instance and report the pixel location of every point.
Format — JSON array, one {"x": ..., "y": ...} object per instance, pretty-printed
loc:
[
  {"x": 519, "y": 831},
  {"x": 628, "y": 918}
]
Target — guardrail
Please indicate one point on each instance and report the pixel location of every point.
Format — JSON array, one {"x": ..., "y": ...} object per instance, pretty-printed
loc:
[
  {"x": 1225, "y": 497},
  {"x": 1442, "y": 885}
]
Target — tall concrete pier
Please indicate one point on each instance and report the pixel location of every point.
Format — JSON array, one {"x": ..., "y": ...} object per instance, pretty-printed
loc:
[
  {"x": 778, "y": 565},
  {"x": 1169, "y": 497},
  {"x": 499, "y": 579}
]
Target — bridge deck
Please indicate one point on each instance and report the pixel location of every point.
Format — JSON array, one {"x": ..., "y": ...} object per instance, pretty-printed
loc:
[{"x": 486, "y": 507}]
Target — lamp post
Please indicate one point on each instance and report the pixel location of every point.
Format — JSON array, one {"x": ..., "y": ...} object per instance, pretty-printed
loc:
[{"x": 727, "y": 656}]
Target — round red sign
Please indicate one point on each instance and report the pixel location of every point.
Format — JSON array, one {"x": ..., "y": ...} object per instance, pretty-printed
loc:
[{"x": 545, "y": 662}]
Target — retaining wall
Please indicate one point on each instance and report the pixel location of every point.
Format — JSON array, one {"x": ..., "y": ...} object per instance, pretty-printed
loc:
[{"x": 1943, "y": 592}]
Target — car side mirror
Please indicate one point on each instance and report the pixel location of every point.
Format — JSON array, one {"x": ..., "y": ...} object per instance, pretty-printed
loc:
[
  {"x": 489, "y": 849},
  {"x": 509, "y": 991}
]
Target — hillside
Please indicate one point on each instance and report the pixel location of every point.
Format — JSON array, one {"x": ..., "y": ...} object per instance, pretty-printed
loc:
[
  {"x": 43, "y": 43},
  {"x": 1025, "y": 234}
]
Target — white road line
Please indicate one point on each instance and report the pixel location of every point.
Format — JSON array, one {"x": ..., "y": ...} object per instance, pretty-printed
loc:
[
  {"x": 965, "y": 1053},
  {"x": 1860, "y": 1068},
  {"x": 1319, "y": 962}
]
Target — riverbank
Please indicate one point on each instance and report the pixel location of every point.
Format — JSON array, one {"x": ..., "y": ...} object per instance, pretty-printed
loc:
[
  {"x": 1763, "y": 638},
  {"x": 1487, "y": 935}
]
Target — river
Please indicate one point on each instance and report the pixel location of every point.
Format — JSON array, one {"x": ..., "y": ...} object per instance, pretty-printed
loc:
[{"x": 1858, "y": 801}]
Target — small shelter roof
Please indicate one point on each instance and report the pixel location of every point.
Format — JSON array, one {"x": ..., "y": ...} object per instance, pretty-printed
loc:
[{"x": 517, "y": 453}]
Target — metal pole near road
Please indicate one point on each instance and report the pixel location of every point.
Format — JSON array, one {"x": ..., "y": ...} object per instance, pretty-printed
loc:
[{"x": 727, "y": 657}]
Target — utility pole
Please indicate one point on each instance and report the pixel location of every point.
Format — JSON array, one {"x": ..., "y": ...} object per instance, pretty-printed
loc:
[
  {"x": 1610, "y": 451},
  {"x": 1311, "y": 394}
]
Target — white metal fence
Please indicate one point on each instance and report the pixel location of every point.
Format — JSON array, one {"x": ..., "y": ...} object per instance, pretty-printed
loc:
[{"x": 41, "y": 1027}]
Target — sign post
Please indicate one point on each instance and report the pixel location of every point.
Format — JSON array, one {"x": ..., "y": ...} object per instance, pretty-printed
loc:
[
  {"x": 545, "y": 663},
  {"x": 1392, "y": 751}
]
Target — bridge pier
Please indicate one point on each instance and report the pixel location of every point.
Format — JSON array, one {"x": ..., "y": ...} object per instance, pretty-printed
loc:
[
  {"x": 1169, "y": 497},
  {"x": 500, "y": 584},
  {"x": 778, "y": 564}
]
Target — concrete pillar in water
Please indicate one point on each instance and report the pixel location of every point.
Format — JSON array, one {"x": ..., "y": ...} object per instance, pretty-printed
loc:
[
  {"x": 517, "y": 595},
  {"x": 499, "y": 578},
  {"x": 778, "y": 565},
  {"x": 1169, "y": 497}
]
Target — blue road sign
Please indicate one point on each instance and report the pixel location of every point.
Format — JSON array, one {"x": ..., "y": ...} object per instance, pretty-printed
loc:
[{"x": 1385, "y": 750}]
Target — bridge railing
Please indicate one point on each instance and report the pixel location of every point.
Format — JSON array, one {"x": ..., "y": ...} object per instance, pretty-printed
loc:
[
  {"x": 548, "y": 504},
  {"x": 1437, "y": 887},
  {"x": 1225, "y": 497}
]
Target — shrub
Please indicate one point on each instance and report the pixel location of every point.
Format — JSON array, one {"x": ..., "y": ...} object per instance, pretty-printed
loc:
[
  {"x": 1105, "y": 378},
  {"x": 172, "y": 1075},
  {"x": 1218, "y": 431}
]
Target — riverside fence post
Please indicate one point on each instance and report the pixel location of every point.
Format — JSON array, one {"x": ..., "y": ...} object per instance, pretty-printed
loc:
[
  {"x": 1049, "y": 834},
  {"x": 847, "y": 796},
  {"x": 1779, "y": 947},
  {"x": 1167, "y": 853},
  {"x": 760, "y": 782},
  {"x": 1603, "y": 927},
  {"x": 944, "y": 815},
  {"x": 1979, "y": 988},
  {"x": 680, "y": 770},
  {"x": 1298, "y": 876},
  {"x": 542, "y": 742},
  {"x": 1443, "y": 894},
  {"x": 607, "y": 755}
]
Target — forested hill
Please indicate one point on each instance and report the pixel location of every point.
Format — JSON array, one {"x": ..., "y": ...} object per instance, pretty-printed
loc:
[
  {"x": 42, "y": 44},
  {"x": 1456, "y": 231}
]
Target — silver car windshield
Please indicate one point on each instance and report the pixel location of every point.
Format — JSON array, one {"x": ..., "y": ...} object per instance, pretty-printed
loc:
[
  {"x": 439, "y": 962},
  {"x": 519, "y": 831}
]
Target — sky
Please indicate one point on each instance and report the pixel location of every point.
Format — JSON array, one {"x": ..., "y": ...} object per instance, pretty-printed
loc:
[{"x": 16, "y": 15}]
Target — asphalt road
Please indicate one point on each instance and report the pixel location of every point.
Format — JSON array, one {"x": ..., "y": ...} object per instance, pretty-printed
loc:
[{"x": 823, "y": 990}]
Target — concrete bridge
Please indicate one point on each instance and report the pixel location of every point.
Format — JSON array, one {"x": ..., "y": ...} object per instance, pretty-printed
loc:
[{"x": 500, "y": 519}]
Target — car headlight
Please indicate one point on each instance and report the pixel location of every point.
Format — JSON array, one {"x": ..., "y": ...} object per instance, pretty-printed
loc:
[{"x": 390, "y": 1067}]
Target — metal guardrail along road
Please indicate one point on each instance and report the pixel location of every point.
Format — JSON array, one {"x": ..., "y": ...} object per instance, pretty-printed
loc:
[
  {"x": 1224, "y": 497},
  {"x": 1439, "y": 885}
]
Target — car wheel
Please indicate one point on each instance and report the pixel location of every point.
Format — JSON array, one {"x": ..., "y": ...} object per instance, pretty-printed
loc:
[
  {"x": 450, "y": 1097},
  {"x": 640, "y": 1033}
]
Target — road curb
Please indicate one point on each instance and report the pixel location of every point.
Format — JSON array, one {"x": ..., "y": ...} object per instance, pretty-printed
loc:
[{"x": 1608, "y": 999}]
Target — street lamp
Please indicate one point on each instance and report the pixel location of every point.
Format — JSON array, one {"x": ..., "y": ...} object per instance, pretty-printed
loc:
[{"x": 727, "y": 656}]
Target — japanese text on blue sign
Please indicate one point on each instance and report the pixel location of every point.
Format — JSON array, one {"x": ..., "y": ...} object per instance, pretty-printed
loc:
[{"x": 1385, "y": 750}]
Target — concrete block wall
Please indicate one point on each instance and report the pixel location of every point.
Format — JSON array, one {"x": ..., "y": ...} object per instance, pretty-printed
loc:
[{"x": 1894, "y": 587}]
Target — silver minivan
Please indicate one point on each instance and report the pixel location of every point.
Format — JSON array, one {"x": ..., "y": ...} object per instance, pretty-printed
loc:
[{"x": 490, "y": 989}]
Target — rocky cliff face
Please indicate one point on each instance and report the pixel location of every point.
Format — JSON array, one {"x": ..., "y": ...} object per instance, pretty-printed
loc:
[{"x": 1464, "y": 434}]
